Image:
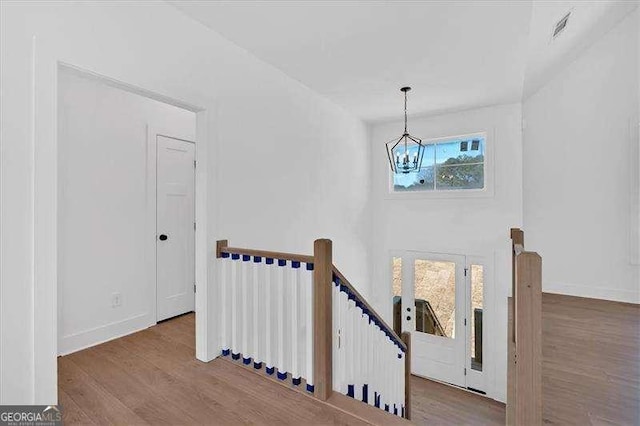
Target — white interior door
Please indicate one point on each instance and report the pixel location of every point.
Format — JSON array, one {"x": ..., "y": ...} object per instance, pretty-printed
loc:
[
  {"x": 433, "y": 311},
  {"x": 175, "y": 229}
]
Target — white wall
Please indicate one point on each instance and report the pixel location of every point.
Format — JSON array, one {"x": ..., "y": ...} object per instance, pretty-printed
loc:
[
  {"x": 580, "y": 171},
  {"x": 259, "y": 132},
  {"x": 104, "y": 208},
  {"x": 469, "y": 226}
]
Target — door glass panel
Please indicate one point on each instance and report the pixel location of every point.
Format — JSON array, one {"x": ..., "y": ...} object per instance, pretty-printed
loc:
[
  {"x": 477, "y": 286},
  {"x": 435, "y": 297}
]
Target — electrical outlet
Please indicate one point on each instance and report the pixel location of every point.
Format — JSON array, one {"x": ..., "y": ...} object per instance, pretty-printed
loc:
[{"x": 116, "y": 300}]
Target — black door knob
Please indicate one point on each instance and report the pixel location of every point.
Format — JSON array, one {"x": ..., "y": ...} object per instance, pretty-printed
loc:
[
  {"x": 162, "y": 237},
  {"x": 408, "y": 318}
]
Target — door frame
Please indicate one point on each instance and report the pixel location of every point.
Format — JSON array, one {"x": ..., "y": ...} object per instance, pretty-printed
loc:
[
  {"x": 151, "y": 251},
  {"x": 485, "y": 381},
  {"x": 48, "y": 59}
]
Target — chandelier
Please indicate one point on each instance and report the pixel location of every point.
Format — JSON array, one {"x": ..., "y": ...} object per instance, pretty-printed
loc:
[{"x": 405, "y": 154}]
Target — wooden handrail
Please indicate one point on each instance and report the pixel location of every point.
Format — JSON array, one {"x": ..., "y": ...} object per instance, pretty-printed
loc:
[
  {"x": 373, "y": 313},
  {"x": 222, "y": 247}
]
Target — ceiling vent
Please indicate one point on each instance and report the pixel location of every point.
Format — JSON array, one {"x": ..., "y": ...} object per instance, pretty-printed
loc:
[{"x": 560, "y": 26}]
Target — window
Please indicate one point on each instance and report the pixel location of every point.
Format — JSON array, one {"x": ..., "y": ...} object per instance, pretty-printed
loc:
[
  {"x": 477, "y": 296},
  {"x": 449, "y": 164}
]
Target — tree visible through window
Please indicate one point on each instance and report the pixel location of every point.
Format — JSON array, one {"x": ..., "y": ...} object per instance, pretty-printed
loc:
[{"x": 448, "y": 164}]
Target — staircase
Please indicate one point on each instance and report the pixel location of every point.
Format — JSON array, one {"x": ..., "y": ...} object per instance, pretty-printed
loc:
[{"x": 296, "y": 318}]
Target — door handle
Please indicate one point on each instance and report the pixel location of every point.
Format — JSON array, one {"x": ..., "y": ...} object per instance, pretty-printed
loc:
[{"x": 162, "y": 237}]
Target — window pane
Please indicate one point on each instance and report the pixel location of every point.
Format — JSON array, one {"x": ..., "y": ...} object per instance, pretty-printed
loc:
[
  {"x": 477, "y": 286},
  {"x": 397, "y": 276},
  {"x": 397, "y": 294},
  {"x": 460, "y": 164},
  {"x": 416, "y": 181},
  {"x": 435, "y": 296}
]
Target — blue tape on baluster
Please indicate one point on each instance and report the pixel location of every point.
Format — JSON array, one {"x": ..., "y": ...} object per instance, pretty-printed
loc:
[
  {"x": 257, "y": 259},
  {"x": 224, "y": 255},
  {"x": 225, "y": 352},
  {"x": 235, "y": 256},
  {"x": 282, "y": 262},
  {"x": 399, "y": 356},
  {"x": 297, "y": 381},
  {"x": 351, "y": 296},
  {"x": 376, "y": 400},
  {"x": 295, "y": 264},
  {"x": 365, "y": 393},
  {"x": 282, "y": 376},
  {"x": 386, "y": 407},
  {"x": 309, "y": 266},
  {"x": 257, "y": 365},
  {"x": 335, "y": 279},
  {"x": 310, "y": 388},
  {"x": 269, "y": 260},
  {"x": 246, "y": 361},
  {"x": 366, "y": 312},
  {"x": 246, "y": 258},
  {"x": 402, "y": 410},
  {"x": 235, "y": 356},
  {"x": 343, "y": 288},
  {"x": 350, "y": 391},
  {"x": 395, "y": 409},
  {"x": 271, "y": 370}
]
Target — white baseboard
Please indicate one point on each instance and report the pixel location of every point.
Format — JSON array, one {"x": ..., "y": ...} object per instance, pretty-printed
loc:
[
  {"x": 85, "y": 339},
  {"x": 613, "y": 294}
]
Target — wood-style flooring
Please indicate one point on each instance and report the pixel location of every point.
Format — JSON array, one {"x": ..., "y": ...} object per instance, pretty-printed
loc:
[{"x": 591, "y": 362}]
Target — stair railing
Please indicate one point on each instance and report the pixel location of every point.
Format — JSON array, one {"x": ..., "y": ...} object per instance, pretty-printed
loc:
[
  {"x": 298, "y": 318},
  {"x": 524, "y": 363}
]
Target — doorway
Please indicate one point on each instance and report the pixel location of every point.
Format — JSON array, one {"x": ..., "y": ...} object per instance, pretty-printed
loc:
[
  {"x": 119, "y": 180},
  {"x": 439, "y": 299}
]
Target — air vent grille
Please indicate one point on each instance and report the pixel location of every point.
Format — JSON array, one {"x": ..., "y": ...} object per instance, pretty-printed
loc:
[{"x": 561, "y": 25}]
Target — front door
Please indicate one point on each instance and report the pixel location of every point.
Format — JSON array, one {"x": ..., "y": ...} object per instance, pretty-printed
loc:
[
  {"x": 433, "y": 311},
  {"x": 175, "y": 236}
]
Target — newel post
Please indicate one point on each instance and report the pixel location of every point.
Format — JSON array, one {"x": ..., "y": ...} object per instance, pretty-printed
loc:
[
  {"x": 406, "y": 338},
  {"x": 322, "y": 318}
]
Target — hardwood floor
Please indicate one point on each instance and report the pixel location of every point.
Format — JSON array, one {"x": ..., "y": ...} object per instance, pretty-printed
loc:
[
  {"x": 152, "y": 377},
  {"x": 591, "y": 363},
  {"x": 438, "y": 404}
]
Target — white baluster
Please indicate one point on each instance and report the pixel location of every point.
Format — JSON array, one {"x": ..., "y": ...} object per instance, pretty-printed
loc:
[
  {"x": 308, "y": 302},
  {"x": 280, "y": 294},
  {"x": 235, "y": 313},
  {"x": 223, "y": 283},
  {"x": 337, "y": 325},
  {"x": 268, "y": 312},
  {"x": 245, "y": 307},
  {"x": 258, "y": 325},
  {"x": 294, "y": 291}
]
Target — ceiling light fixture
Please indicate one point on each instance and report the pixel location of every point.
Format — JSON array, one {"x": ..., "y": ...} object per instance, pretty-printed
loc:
[{"x": 405, "y": 154}]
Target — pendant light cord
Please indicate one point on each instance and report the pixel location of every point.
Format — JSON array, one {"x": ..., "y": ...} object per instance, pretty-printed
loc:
[{"x": 405, "y": 112}]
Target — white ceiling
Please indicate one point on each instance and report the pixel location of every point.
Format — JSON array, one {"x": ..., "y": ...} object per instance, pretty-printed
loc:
[{"x": 455, "y": 54}]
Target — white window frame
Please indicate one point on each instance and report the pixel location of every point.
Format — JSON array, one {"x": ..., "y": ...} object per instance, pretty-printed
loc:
[{"x": 487, "y": 191}]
